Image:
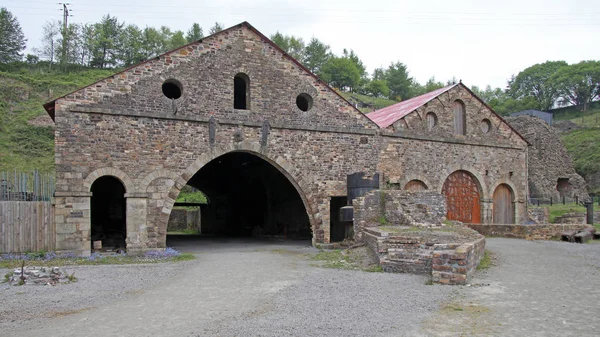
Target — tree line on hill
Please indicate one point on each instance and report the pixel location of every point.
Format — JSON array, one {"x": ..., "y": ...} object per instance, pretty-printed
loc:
[{"x": 112, "y": 44}]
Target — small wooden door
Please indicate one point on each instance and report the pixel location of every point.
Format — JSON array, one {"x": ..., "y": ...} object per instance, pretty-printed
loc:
[
  {"x": 504, "y": 208},
  {"x": 415, "y": 186},
  {"x": 462, "y": 194}
]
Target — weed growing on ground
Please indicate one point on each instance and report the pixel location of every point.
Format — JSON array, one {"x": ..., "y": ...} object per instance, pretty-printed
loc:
[
  {"x": 486, "y": 260},
  {"x": 53, "y": 259}
]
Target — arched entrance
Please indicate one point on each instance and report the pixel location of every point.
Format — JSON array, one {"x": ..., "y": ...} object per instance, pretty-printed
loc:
[
  {"x": 108, "y": 213},
  {"x": 504, "y": 207},
  {"x": 463, "y": 197},
  {"x": 249, "y": 197},
  {"x": 415, "y": 186}
]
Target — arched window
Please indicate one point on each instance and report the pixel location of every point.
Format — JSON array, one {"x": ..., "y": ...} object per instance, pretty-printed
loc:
[
  {"x": 431, "y": 120},
  {"x": 241, "y": 91},
  {"x": 460, "y": 121}
]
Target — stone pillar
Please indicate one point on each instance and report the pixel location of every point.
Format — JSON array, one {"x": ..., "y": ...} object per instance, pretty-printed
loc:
[
  {"x": 487, "y": 210},
  {"x": 137, "y": 232},
  {"x": 72, "y": 218}
]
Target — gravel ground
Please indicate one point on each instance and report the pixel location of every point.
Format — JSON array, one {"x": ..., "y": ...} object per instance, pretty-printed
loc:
[
  {"x": 237, "y": 288},
  {"x": 539, "y": 288},
  {"x": 233, "y": 288},
  {"x": 30, "y": 306}
]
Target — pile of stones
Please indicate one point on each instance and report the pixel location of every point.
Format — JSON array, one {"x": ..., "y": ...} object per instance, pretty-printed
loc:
[{"x": 39, "y": 276}]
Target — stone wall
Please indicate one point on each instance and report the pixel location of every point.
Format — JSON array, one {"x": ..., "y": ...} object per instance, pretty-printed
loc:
[
  {"x": 538, "y": 215},
  {"x": 529, "y": 232},
  {"x": 548, "y": 160},
  {"x": 448, "y": 256},
  {"x": 397, "y": 208},
  {"x": 125, "y": 127},
  {"x": 410, "y": 150},
  {"x": 182, "y": 219}
]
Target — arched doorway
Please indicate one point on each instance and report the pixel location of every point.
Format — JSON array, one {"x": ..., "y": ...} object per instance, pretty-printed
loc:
[
  {"x": 415, "y": 186},
  {"x": 249, "y": 197},
  {"x": 463, "y": 197},
  {"x": 504, "y": 207},
  {"x": 108, "y": 213}
]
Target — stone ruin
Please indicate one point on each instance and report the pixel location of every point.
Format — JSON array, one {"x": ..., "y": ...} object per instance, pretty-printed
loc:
[
  {"x": 551, "y": 170},
  {"x": 407, "y": 233},
  {"x": 39, "y": 276}
]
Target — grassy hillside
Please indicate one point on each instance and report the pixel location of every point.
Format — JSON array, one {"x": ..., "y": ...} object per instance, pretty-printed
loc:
[
  {"x": 366, "y": 103},
  {"x": 23, "y": 90},
  {"x": 584, "y": 144}
]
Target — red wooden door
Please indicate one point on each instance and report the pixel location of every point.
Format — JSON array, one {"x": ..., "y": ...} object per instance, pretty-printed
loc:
[
  {"x": 462, "y": 195},
  {"x": 504, "y": 208}
]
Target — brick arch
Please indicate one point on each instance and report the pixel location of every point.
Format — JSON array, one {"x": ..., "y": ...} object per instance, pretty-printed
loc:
[
  {"x": 160, "y": 173},
  {"x": 412, "y": 177},
  {"x": 109, "y": 171},
  {"x": 485, "y": 193},
  {"x": 505, "y": 181},
  {"x": 289, "y": 171}
]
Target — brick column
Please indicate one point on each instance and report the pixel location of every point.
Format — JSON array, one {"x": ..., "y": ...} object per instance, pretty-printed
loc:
[
  {"x": 72, "y": 217},
  {"x": 137, "y": 232}
]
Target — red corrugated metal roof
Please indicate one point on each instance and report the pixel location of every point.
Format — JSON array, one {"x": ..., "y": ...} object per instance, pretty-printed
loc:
[{"x": 389, "y": 115}]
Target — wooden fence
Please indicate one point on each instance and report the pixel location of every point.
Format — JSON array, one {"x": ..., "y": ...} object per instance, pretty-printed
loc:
[
  {"x": 26, "y": 212},
  {"x": 26, "y": 226}
]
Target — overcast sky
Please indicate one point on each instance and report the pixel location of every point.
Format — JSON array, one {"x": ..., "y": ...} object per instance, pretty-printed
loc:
[{"x": 481, "y": 42}]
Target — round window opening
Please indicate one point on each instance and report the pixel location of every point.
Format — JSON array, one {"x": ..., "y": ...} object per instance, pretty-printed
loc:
[
  {"x": 172, "y": 89},
  {"x": 304, "y": 102},
  {"x": 486, "y": 125}
]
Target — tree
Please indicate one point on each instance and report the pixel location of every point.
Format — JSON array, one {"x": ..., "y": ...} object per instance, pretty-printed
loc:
[
  {"x": 290, "y": 44},
  {"x": 502, "y": 102},
  {"x": 431, "y": 85},
  {"x": 378, "y": 88},
  {"x": 177, "y": 40},
  {"x": 535, "y": 82},
  {"x": 69, "y": 44},
  {"x": 398, "y": 81},
  {"x": 362, "y": 70},
  {"x": 153, "y": 42},
  {"x": 342, "y": 73},
  {"x": 131, "y": 43},
  {"x": 194, "y": 33},
  {"x": 578, "y": 84},
  {"x": 316, "y": 54},
  {"x": 216, "y": 28},
  {"x": 106, "y": 47},
  {"x": 12, "y": 40},
  {"x": 50, "y": 40}
]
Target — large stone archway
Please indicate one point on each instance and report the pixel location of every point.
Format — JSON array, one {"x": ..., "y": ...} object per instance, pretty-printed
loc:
[{"x": 163, "y": 186}]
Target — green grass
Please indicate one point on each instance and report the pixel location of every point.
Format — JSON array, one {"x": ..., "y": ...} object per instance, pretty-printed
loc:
[
  {"x": 187, "y": 231},
  {"x": 486, "y": 260},
  {"x": 557, "y": 210},
  {"x": 583, "y": 145},
  {"x": 23, "y": 90},
  {"x": 108, "y": 260},
  {"x": 366, "y": 103},
  {"x": 344, "y": 259}
]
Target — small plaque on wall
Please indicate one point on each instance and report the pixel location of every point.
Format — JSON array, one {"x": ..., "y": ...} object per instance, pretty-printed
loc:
[{"x": 76, "y": 214}]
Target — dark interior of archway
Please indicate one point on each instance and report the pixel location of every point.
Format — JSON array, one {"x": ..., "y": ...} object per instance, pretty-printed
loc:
[
  {"x": 249, "y": 197},
  {"x": 108, "y": 212}
]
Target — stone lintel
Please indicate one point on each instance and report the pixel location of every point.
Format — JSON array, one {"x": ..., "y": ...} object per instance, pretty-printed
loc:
[
  {"x": 72, "y": 194},
  {"x": 136, "y": 195},
  {"x": 199, "y": 119}
]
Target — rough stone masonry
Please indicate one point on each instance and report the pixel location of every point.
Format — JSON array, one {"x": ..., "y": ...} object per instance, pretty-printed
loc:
[{"x": 155, "y": 125}]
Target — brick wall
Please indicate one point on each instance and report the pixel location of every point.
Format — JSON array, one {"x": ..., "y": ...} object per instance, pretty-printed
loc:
[
  {"x": 397, "y": 208},
  {"x": 529, "y": 232}
]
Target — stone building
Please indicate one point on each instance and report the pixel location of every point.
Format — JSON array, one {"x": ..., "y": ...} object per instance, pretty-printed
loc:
[
  {"x": 551, "y": 170},
  {"x": 269, "y": 143}
]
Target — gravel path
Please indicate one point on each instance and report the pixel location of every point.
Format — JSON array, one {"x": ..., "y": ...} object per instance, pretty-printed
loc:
[
  {"x": 539, "y": 288},
  {"x": 233, "y": 288}
]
